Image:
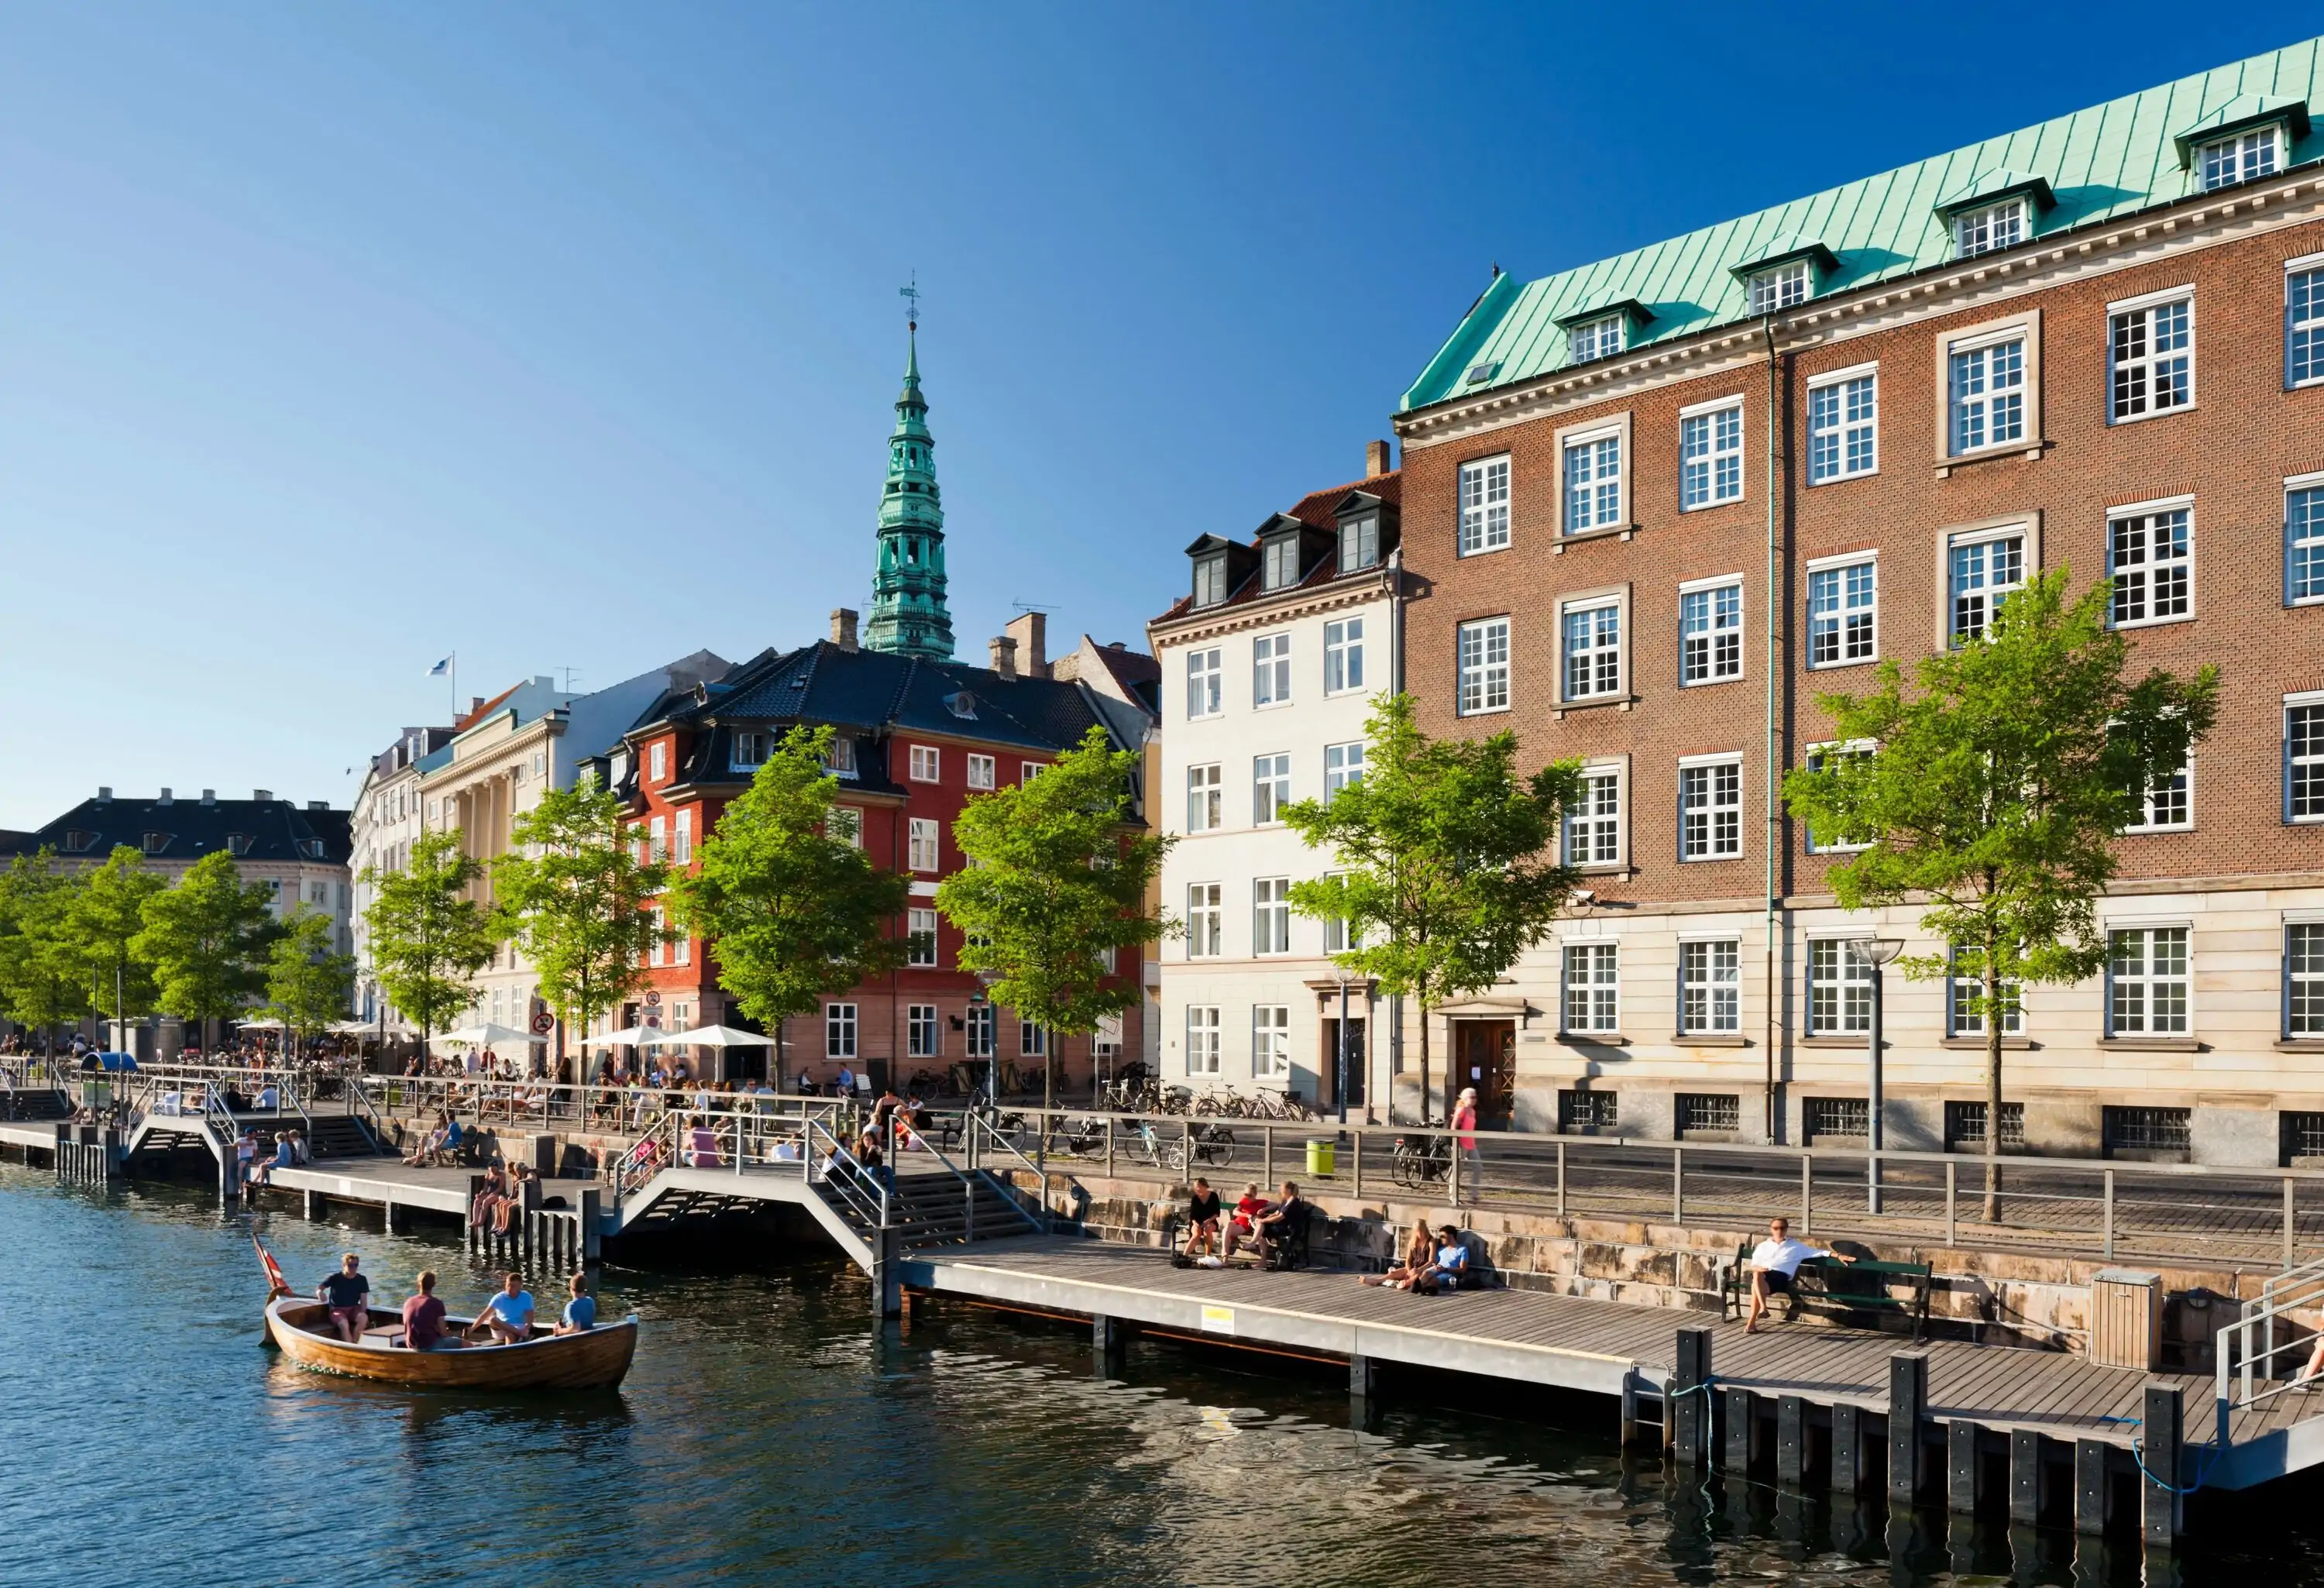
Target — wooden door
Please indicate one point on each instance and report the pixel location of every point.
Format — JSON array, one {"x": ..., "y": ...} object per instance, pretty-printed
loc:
[{"x": 1485, "y": 1056}]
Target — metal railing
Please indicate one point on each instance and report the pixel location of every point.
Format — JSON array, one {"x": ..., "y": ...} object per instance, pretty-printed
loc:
[{"x": 2247, "y": 1351}]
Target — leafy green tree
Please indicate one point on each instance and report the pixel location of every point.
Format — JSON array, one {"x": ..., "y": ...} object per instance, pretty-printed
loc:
[
  {"x": 1993, "y": 791},
  {"x": 1055, "y": 887},
  {"x": 795, "y": 909},
  {"x": 309, "y": 982},
  {"x": 1447, "y": 862},
  {"x": 428, "y": 936},
  {"x": 105, "y": 918},
  {"x": 43, "y": 980},
  {"x": 574, "y": 892},
  {"x": 207, "y": 939}
]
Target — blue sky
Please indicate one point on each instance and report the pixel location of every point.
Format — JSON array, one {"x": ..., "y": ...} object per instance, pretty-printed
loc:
[{"x": 333, "y": 340}]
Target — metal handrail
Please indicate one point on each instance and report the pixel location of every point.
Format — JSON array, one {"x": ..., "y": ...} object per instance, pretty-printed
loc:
[
  {"x": 2240, "y": 1366},
  {"x": 848, "y": 1189}
]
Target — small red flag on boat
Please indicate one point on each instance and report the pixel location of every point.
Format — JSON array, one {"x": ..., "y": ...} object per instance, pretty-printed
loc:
[{"x": 278, "y": 1285}]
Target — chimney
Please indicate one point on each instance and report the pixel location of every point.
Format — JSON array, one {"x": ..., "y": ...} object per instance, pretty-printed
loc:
[
  {"x": 165, "y": 797},
  {"x": 1031, "y": 630},
  {"x": 843, "y": 628},
  {"x": 1377, "y": 456},
  {"x": 319, "y": 804},
  {"x": 105, "y": 794},
  {"x": 476, "y": 704},
  {"x": 261, "y": 795},
  {"x": 209, "y": 796},
  {"x": 1004, "y": 656}
]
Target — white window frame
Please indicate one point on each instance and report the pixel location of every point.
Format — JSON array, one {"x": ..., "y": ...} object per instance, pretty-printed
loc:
[
  {"x": 1026, "y": 770},
  {"x": 1278, "y": 562},
  {"x": 982, "y": 771},
  {"x": 1981, "y": 230},
  {"x": 1206, "y": 797},
  {"x": 1209, "y": 580},
  {"x": 922, "y": 844},
  {"x": 1991, "y": 589},
  {"x": 2239, "y": 157},
  {"x": 1599, "y": 816},
  {"x": 1590, "y": 987},
  {"x": 2303, "y": 334},
  {"x": 1482, "y": 684},
  {"x": 1721, "y": 641},
  {"x": 2303, "y": 989},
  {"x": 1717, "y": 465},
  {"x": 1270, "y": 670},
  {"x": 1961, "y": 1021},
  {"x": 1032, "y": 1040},
  {"x": 2310, "y": 700},
  {"x": 1205, "y": 682},
  {"x": 1203, "y": 1044},
  {"x": 839, "y": 758},
  {"x": 2184, "y": 780},
  {"x": 1270, "y": 1042},
  {"x": 926, "y": 763},
  {"x": 1206, "y": 920},
  {"x": 1815, "y": 758},
  {"x": 1484, "y": 497},
  {"x": 1337, "y": 938},
  {"x": 1984, "y": 402},
  {"x": 1356, "y": 544},
  {"x": 1846, "y": 1007},
  {"x": 920, "y": 927},
  {"x": 1700, "y": 997},
  {"x": 681, "y": 845},
  {"x": 1270, "y": 917},
  {"x": 842, "y": 1031},
  {"x": 1719, "y": 840},
  {"x": 657, "y": 761},
  {"x": 1344, "y": 656},
  {"x": 1595, "y": 655},
  {"x": 2147, "y": 983},
  {"x": 2150, "y": 565},
  {"x": 740, "y": 749},
  {"x": 2311, "y": 486},
  {"x": 1597, "y": 507},
  {"x": 1840, "y": 565},
  {"x": 983, "y": 1026},
  {"x": 846, "y": 823},
  {"x": 1343, "y": 764},
  {"x": 923, "y": 1031},
  {"x": 1780, "y": 287},
  {"x": 1271, "y": 788},
  {"x": 1600, "y": 338},
  {"x": 2144, "y": 312},
  {"x": 1845, "y": 425}
]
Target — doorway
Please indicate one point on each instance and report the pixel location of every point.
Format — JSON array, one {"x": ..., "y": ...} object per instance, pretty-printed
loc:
[
  {"x": 1327, "y": 1049},
  {"x": 1485, "y": 1056}
]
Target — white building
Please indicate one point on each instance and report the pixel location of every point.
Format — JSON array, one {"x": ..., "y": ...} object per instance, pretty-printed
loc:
[
  {"x": 383, "y": 822},
  {"x": 1270, "y": 668}
]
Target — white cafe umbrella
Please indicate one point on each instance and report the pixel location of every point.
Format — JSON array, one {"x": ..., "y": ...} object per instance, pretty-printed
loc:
[
  {"x": 627, "y": 1037},
  {"x": 351, "y": 1028},
  {"x": 487, "y": 1035},
  {"x": 260, "y": 1025},
  {"x": 712, "y": 1036}
]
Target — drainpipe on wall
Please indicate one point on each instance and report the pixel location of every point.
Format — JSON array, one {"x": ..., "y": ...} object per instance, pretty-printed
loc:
[{"x": 1772, "y": 601}]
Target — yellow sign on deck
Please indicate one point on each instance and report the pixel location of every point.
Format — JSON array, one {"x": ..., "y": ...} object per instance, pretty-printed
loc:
[{"x": 1219, "y": 1319}]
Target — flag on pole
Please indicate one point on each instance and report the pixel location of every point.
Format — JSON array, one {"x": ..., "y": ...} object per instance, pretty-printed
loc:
[{"x": 440, "y": 669}]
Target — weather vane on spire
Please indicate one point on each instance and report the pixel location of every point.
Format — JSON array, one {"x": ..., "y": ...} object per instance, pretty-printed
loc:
[{"x": 912, "y": 295}]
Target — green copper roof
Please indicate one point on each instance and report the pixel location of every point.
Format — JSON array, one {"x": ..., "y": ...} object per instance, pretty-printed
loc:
[
  {"x": 908, "y": 615},
  {"x": 2098, "y": 164}
]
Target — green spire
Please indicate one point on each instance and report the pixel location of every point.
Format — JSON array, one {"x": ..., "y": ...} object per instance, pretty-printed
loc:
[{"x": 909, "y": 617}]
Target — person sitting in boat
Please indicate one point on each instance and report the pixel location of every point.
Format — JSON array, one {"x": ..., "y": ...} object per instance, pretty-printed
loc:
[
  {"x": 347, "y": 1294},
  {"x": 509, "y": 1313},
  {"x": 423, "y": 1317},
  {"x": 581, "y": 1311}
]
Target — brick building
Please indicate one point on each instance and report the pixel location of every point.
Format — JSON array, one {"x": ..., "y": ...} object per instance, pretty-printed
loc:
[{"x": 1656, "y": 506}]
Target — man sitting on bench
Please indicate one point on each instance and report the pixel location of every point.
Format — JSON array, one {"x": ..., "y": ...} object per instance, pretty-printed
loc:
[{"x": 1774, "y": 1263}]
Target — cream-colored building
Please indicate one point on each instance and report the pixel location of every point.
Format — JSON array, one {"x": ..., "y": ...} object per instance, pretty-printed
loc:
[{"x": 383, "y": 822}]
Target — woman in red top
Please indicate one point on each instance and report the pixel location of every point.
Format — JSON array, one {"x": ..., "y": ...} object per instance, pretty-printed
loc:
[
  {"x": 1241, "y": 1228},
  {"x": 1464, "y": 1137}
]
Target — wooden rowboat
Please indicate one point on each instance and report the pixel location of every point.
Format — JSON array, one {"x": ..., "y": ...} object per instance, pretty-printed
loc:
[{"x": 594, "y": 1358}]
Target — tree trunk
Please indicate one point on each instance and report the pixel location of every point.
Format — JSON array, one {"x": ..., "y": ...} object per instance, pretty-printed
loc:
[{"x": 1992, "y": 1086}]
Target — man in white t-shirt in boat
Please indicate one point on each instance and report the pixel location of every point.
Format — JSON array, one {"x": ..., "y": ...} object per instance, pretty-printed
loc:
[{"x": 1775, "y": 1263}]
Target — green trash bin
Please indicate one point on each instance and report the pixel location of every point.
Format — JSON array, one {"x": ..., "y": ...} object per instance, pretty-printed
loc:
[{"x": 1323, "y": 1159}]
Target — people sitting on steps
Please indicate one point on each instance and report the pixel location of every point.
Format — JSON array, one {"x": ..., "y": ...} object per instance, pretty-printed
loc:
[
  {"x": 1448, "y": 1266},
  {"x": 1201, "y": 1219},
  {"x": 1281, "y": 1224},
  {"x": 1419, "y": 1250},
  {"x": 1775, "y": 1263}
]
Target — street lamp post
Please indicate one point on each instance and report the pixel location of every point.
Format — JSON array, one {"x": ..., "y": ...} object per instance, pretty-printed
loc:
[
  {"x": 1875, "y": 952},
  {"x": 1339, "y": 1082}
]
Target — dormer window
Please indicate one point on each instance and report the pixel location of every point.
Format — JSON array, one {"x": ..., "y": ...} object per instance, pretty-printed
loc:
[
  {"x": 1280, "y": 563},
  {"x": 1596, "y": 338},
  {"x": 238, "y": 843},
  {"x": 1210, "y": 581},
  {"x": 2224, "y": 162},
  {"x": 750, "y": 750},
  {"x": 79, "y": 840},
  {"x": 840, "y": 758},
  {"x": 1359, "y": 543},
  {"x": 1992, "y": 227},
  {"x": 1781, "y": 287},
  {"x": 312, "y": 848},
  {"x": 154, "y": 843},
  {"x": 962, "y": 704}
]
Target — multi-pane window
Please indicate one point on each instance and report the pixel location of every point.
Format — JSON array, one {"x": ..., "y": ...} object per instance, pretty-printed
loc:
[
  {"x": 1201, "y": 1040},
  {"x": 2303, "y": 980},
  {"x": 1711, "y": 809},
  {"x": 1587, "y": 1113},
  {"x": 1484, "y": 505},
  {"x": 921, "y": 1026},
  {"x": 1596, "y": 338},
  {"x": 1844, "y": 428},
  {"x": 1965, "y": 992},
  {"x": 658, "y": 843},
  {"x": 1343, "y": 655},
  {"x": 1593, "y": 999},
  {"x": 2154, "y": 358},
  {"x": 1339, "y": 934},
  {"x": 1990, "y": 227},
  {"x": 1593, "y": 483},
  {"x": 1711, "y": 987},
  {"x": 2144, "y": 1129},
  {"x": 1987, "y": 394},
  {"x": 1711, "y": 456},
  {"x": 2146, "y": 982},
  {"x": 922, "y": 842},
  {"x": 1271, "y": 788},
  {"x": 1270, "y": 663},
  {"x": 2167, "y": 803},
  {"x": 1843, "y": 607},
  {"x": 1592, "y": 647},
  {"x": 846, "y": 823},
  {"x": 839, "y": 1031},
  {"x": 1819, "y": 757},
  {"x": 978, "y": 1040},
  {"x": 1205, "y": 683},
  {"x": 928, "y": 763},
  {"x": 1838, "y": 1116},
  {"x": 1343, "y": 764},
  {"x": 2303, "y": 544},
  {"x": 1593, "y": 822},
  {"x": 658, "y": 761},
  {"x": 1980, "y": 574},
  {"x": 1210, "y": 581},
  {"x": 1359, "y": 543},
  {"x": 1484, "y": 666},
  {"x": 1203, "y": 794},
  {"x": 921, "y": 925},
  {"x": 681, "y": 848},
  {"x": 1784, "y": 287},
  {"x": 1840, "y": 990},
  {"x": 1205, "y": 923},
  {"x": 2150, "y": 558},
  {"x": 1698, "y": 1111},
  {"x": 980, "y": 771},
  {"x": 2226, "y": 161},
  {"x": 2303, "y": 334},
  {"x": 1032, "y": 1040},
  {"x": 1271, "y": 915},
  {"x": 1965, "y": 1126},
  {"x": 750, "y": 750},
  {"x": 1270, "y": 1042},
  {"x": 1711, "y": 633},
  {"x": 2303, "y": 760},
  {"x": 1280, "y": 563}
]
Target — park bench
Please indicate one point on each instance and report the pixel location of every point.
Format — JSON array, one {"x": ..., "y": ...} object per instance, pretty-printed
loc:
[{"x": 1864, "y": 1285}]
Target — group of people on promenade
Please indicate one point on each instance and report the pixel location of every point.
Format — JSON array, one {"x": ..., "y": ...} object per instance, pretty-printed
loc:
[
  {"x": 1215, "y": 1233},
  {"x": 507, "y": 1318}
]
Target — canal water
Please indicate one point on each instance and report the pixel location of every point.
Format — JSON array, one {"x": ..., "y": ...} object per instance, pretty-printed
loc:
[{"x": 768, "y": 1434}]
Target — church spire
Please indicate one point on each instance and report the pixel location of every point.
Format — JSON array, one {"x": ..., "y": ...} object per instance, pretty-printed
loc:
[{"x": 908, "y": 615}]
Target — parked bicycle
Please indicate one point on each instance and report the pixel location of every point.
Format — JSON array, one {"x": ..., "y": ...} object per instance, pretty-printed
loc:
[{"x": 1420, "y": 1162}]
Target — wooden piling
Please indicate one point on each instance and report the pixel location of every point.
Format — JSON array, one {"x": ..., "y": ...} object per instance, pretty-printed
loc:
[
  {"x": 1790, "y": 1440},
  {"x": 1742, "y": 1411},
  {"x": 1691, "y": 1418},
  {"x": 2091, "y": 1486},
  {"x": 2025, "y": 1482},
  {"x": 1908, "y": 1399},
  {"x": 1848, "y": 1473},
  {"x": 2160, "y": 1507},
  {"x": 1962, "y": 1438}
]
